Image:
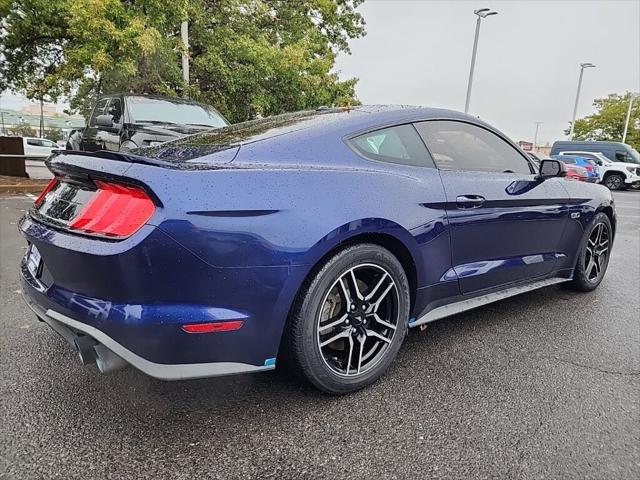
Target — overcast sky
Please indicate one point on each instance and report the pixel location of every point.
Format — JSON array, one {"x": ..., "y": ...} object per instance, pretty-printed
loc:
[{"x": 419, "y": 52}]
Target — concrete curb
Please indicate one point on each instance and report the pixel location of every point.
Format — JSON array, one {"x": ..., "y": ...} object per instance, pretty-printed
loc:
[{"x": 14, "y": 189}]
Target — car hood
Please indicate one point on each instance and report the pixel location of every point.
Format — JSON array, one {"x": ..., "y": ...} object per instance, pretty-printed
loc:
[{"x": 622, "y": 165}]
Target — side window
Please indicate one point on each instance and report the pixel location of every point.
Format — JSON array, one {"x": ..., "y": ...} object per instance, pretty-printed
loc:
[
  {"x": 462, "y": 146},
  {"x": 115, "y": 110},
  {"x": 400, "y": 144},
  {"x": 99, "y": 110},
  {"x": 622, "y": 156},
  {"x": 34, "y": 142}
]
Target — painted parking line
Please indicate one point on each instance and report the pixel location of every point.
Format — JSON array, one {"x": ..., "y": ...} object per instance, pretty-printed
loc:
[{"x": 31, "y": 196}]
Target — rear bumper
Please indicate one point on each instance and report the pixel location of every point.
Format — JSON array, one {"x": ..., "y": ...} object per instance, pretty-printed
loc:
[
  {"x": 133, "y": 297},
  {"x": 69, "y": 328}
]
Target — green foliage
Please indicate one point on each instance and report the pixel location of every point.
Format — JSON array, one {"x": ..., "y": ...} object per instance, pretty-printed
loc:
[
  {"x": 23, "y": 130},
  {"x": 54, "y": 133},
  {"x": 607, "y": 124},
  {"x": 247, "y": 57}
]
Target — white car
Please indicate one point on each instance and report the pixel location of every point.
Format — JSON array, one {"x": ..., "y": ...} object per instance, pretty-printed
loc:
[
  {"x": 38, "y": 148},
  {"x": 614, "y": 175}
]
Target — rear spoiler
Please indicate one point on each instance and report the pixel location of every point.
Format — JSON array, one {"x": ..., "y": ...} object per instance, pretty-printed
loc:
[{"x": 60, "y": 155}]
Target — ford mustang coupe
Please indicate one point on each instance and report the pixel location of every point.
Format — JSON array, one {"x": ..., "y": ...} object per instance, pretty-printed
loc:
[{"x": 312, "y": 239}]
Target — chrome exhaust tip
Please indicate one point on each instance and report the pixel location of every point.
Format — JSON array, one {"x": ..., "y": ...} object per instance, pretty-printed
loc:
[
  {"x": 85, "y": 349},
  {"x": 106, "y": 360}
]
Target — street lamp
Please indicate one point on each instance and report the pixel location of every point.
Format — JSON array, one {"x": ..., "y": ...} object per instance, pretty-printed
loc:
[
  {"x": 626, "y": 122},
  {"x": 481, "y": 13},
  {"x": 575, "y": 107}
]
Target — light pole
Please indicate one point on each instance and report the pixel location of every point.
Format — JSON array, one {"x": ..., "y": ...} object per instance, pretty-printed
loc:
[
  {"x": 575, "y": 106},
  {"x": 481, "y": 13},
  {"x": 535, "y": 137},
  {"x": 626, "y": 122}
]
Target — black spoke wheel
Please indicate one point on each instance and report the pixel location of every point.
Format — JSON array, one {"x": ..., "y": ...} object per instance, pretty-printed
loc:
[
  {"x": 594, "y": 254},
  {"x": 349, "y": 323}
]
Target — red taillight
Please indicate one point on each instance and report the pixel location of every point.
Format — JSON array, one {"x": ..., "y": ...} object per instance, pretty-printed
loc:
[
  {"x": 116, "y": 210},
  {"x": 47, "y": 189},
  {"x": 213, "y": 326}
]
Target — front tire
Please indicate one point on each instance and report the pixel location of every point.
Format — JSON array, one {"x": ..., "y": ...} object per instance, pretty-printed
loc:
[
  {"x": 348, "y": 324},
  {"x": 614, "y": 181},
  {"x": 593, "y": 257}
]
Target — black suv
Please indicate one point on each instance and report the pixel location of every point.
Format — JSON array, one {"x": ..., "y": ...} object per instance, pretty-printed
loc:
[{"x": 122, "y": 122}]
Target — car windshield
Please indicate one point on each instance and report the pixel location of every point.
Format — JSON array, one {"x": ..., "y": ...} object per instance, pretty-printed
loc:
[
  {"x": 165, "y": 111},
  {"x": 635, "y": 155}
]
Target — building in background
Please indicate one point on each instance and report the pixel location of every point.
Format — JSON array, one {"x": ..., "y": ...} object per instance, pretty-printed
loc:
[{"x": 10, "y": 120}]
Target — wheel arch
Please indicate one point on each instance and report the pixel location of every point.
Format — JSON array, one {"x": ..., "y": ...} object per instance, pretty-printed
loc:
[{"x": 398, "y": 247}]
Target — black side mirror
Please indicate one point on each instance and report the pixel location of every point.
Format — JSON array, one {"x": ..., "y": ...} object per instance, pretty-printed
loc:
[
  {"x": 552, "y": 168},
  {"x": 600, "y": 162},
  {"x": 105, "y": 121}
]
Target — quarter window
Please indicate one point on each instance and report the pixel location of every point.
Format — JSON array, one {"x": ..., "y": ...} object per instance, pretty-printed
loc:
[
  {"x": 462, "y": 146},
  {"x": 400, "y": 144}
]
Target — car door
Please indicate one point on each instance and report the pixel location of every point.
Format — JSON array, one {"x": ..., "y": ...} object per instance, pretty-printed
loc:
[
  {"x": 90, "y": 141},
  {"x": 505, "y": 224},
  {"x": 420, "y": 207}
]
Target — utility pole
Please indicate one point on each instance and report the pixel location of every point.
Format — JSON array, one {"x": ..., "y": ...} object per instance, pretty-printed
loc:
[
  {"x": 41, "y": 117},
  {"x": 535, "y": 137},
  {"x": 626, "y": 122},
  {"x": 184, "y": 31}
]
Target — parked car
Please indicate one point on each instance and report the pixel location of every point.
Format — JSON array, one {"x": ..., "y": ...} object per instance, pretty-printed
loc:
[
  {"x": 574, "y": 172},
  {"x": 314, "y": 239},
  {"x": 126, "y": 122},
  {"x": 615, "y": 175},
  {"x": 590, "y": 166},
  {"x": 38, "y": 148},
  {"x": 614, "y": 151}
]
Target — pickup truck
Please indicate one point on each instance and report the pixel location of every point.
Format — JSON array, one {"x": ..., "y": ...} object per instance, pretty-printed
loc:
[{"x": 123, "y": 122}]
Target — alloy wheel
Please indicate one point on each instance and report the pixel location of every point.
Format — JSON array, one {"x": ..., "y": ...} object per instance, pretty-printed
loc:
[
  {"x": 614, "y": 182},
  {"x": 596, "y": 252},
  {"x": 358, "y": 320}
]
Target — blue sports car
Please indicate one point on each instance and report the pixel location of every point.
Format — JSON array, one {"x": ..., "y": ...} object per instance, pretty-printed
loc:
[{"x": 312, "y": 239}]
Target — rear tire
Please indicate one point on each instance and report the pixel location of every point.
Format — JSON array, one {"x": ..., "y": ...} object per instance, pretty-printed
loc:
[
  {"x": 593, "y": 256},
  {"x": 350, "y": 320},
  {"x": 614, "y": 181}
]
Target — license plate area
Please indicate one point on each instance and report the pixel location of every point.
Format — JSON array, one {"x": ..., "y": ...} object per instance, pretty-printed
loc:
[{"x": 34, "y": 261}]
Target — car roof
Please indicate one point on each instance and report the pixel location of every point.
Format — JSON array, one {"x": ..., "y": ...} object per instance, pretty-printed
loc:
[
  {"x": 341, "y": 121},
  {"x": 305, "y": 129}
]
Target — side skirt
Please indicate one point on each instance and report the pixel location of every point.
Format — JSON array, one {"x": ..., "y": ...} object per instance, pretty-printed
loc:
[{"x": 474, "y": 302}]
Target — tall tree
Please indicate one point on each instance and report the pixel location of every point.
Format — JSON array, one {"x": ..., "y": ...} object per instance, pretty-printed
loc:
[
  {"x": 607, "y": 124},
  {"x": 248, "y": 57}
]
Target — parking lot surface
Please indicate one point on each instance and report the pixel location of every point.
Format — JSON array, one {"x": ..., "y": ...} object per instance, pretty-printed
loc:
[{"x": 543, "y": 385}]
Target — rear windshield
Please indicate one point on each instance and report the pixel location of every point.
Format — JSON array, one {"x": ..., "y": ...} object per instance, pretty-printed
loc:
[{"x": 231, "y": 137}]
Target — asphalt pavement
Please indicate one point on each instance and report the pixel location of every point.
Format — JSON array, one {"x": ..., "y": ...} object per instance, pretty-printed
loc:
[{"x": 543, "y": 385}]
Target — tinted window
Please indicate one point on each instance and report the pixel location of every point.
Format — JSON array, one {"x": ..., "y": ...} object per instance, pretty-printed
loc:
[
  {"x": 160, "y": 110},
  {"x": 49, "y": 143},
  {"x": 624, "y": 156},
  {"x": 115, "y": 110},
  {"x": 400, "y": 144},
  {"x": 99, "y": 110},
  {"x": 34, "y": 142},
  {"x": 462, "y": 146}
]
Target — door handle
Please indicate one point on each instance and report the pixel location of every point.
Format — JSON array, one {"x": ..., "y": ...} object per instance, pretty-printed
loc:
[{"x": 469, "y": 201}]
